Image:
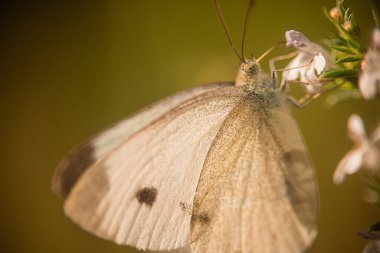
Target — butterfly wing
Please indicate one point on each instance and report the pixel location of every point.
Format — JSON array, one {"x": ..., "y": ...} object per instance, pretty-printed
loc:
[
  {"x": 185, "y": 249},
  {"x": 87, "y": 153},
  {"x": 140, "y": 193},
  {"x": 257, "y": 190}
]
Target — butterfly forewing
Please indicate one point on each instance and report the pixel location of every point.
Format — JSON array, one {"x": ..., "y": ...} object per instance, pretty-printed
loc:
[
  {"x": 185, "y": 249},
  {"x": 141, "y": 191},
  {"x": 87, "y": 153},
  {"x": 256, "y": 191}
]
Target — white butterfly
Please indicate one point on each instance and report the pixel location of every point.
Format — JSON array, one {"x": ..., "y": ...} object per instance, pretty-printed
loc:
[{"x": 218, "y": 168}]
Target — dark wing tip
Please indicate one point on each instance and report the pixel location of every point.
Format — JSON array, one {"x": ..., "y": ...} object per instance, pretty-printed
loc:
[{"x": 71, "y": 169}]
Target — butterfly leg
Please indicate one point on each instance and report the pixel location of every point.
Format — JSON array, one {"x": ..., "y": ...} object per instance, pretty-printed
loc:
[
  {"x": 302, "y": 102},
  {"x": 308, "y": 97},
  {"x": 274, "y": 71},
  {"x": 294, "y": 102}
]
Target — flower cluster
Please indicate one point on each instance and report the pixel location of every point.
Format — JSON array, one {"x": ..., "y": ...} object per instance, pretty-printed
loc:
[
  {"x": 344, "y": 61},
  {"x": 366, "y": 152},
  {"x": 307, "y": 66},
  {"x": 344, "y": 67}
]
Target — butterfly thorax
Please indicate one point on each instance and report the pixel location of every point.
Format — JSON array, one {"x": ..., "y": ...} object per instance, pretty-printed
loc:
[{"x": 259, "y": 85}]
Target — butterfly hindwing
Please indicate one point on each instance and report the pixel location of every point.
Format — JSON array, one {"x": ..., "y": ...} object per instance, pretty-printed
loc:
[{"x": 256, "y": 191}]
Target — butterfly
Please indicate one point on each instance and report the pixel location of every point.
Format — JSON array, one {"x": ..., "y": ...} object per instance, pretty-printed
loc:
[
  {"x": 218, "y": 168},
  {"x": 221, "y": 167}
]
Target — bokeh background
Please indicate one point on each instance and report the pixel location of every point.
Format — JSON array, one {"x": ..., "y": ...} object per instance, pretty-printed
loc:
[{"x": 70, "y": 68}]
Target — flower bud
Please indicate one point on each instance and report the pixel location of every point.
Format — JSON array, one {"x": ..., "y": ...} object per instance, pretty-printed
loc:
[
  {"x": 347, "y": 26},
  {"x": 335, "y": 14}
]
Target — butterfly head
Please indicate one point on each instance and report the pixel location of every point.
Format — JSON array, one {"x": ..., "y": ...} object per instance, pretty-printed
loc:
[{"x": 250, "y": 74}]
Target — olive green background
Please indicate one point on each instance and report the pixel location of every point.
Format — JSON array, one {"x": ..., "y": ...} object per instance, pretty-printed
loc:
[{"x": 70, "y": 68}]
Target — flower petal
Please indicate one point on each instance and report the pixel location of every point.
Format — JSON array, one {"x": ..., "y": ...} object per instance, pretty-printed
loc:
[
  {"x": 308, "y": 74},
  {"x": 369, "y": 80},
  {"x": 356, "y": 129},
  {"x": 376, "y": 39},
  {"x": 293, "y": 72},
  {"x": 349, "y": 164},
  {"x": 303, "y": 44},
  {"x": 308, "y": 64},
  {"x": 371, "y": 157},
  {"x": 319, "y": 63},
  {"x": 299, "y": 41},
  {"x": 367, "y": 85},
  {"x": 302, "y": 68},
  {"x": 375, "y": 137}
]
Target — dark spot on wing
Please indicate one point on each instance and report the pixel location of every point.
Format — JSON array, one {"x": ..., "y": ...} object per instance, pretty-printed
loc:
[
  {"x": 185, "y": 207},
  {"x": 299, "y": 186},
  {"x": 292, "y": 193},
  {"x": 295, "y": 156},
  {"x": 274, "y": 236},
  {"x": 72, "y": 168},
  {"x": 291, "y": 159},
  {"x": 147, "y": 195},
  {"x": 202, "y": 218}
]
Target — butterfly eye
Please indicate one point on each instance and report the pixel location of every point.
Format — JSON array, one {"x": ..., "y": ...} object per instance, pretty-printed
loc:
[{"x": 253, "y": 69}]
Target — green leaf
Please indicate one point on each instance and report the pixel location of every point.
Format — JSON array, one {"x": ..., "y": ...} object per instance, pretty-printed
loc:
[
  {"x": 341, "y": 7},
  {"x": 354, "y": 25},
  {"x": 347, "y": 86},
  {"x": 343, "y": 49},
  {"x": 338, "y": 73},
  {"x": 351, "y": 58},
  {"x": 337, "y": 42},
  {"x": 354, "y": 44},
  {"x": 347, "y": 15}
]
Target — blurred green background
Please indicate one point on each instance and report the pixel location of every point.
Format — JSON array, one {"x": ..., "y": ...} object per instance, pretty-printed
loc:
[{"x": 70, "y": 68}]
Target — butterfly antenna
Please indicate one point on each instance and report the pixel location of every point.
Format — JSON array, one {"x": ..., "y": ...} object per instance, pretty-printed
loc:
[
  {"x": 221, "y": 18},
  {"x": 246, "y": 17}
]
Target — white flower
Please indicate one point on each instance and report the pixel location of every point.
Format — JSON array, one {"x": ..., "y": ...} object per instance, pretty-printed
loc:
[
  {"x": 366, "y": 152},
  {"x": 369, "y": 80},
  {"x": 311, "y": 60},
  {"x": 372, "y": 247}
]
